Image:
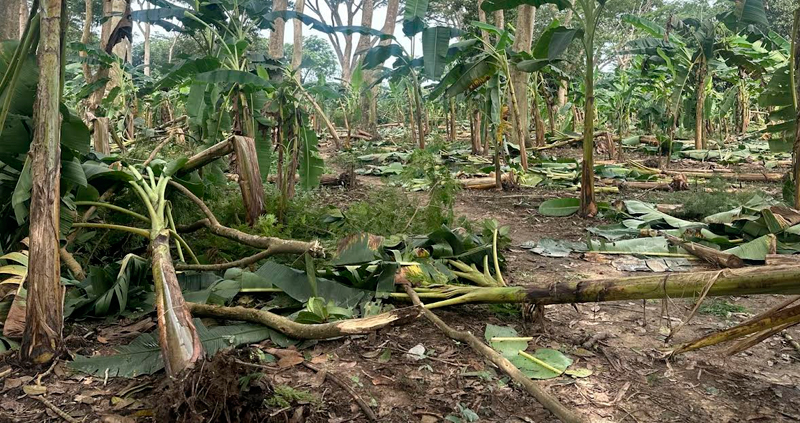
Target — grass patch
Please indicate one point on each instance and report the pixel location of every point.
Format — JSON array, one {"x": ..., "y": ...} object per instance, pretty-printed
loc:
[
  {"x": 721, "y": 308},
  {"x": 284, "y": 396},
  {"x": 707, "y": 199}
]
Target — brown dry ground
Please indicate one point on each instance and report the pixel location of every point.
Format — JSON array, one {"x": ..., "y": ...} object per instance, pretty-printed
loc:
[{"x": 631, "y": 381}]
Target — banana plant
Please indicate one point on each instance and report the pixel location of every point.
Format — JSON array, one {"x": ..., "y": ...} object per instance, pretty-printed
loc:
[{"x": 587, "y": 13}]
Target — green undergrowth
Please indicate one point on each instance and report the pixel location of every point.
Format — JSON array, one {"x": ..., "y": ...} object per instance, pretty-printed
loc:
[
  {"x": 284, "y": 396},
  {"x": 721, "y": 308},
  {"x": 710, "y": 198}
]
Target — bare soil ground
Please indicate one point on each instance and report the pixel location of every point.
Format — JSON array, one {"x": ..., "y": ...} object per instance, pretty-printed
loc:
[{"x": 621, "y": 342}]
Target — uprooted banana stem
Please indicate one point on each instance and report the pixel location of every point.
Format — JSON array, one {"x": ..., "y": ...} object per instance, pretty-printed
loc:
[
  {"x": 177, "y": 335},
  {"x": 744, "y": 281}
]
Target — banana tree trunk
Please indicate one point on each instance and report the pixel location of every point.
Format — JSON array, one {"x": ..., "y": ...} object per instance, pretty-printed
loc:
[
  {"x": 249, "y": 177},
  {"x": 11, "y": 23},
  {"x": 745, "y": 281},
  {"x": 276, "y": 37},
  {"x": 100, "y": 135},
  {"x": 475, "y": 131},
  {"x": 42, "y": 339},
  {"x": 742, "y": 104},
  {"x": 699, "y": 139},
  {"x": 794, "y": 63},
  {"x": 177, "y": 335},
  {"x": 537, "y": 117},
  {"x": 588, "y": 206},
  {"x": 452, "y": 121}
]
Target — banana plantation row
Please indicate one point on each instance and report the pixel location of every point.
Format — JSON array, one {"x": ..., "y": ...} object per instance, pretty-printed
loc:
[{"x": 123, "y": 126}]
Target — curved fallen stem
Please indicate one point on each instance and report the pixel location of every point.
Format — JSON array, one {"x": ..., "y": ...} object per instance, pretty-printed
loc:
[
  {"x": 306, "y": 331},
  {"x": 276, "y": 245}
]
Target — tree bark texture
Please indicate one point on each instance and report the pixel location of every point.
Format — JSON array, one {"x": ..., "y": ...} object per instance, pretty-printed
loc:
[
  {"x": 12, "y": 22},
  {"x": 177, "y": 335},
  {"x": 249, "y": 178},
  {"x": 588, "y": 206},
  {"x": 297, "y": 44},
  {"x": 100, "y": 135},
  {"x": 526, "y": 15},
  {"x": 699, "y": 138},
  {"x": 42, "y": 339},
  {"x": 277, "y": 34}
]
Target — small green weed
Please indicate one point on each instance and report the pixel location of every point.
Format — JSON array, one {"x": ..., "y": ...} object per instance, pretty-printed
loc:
[
  {"x": 710, "y": 198},
  {"x": 720, "y": 308},
  {"x": 284, "y": 396}
]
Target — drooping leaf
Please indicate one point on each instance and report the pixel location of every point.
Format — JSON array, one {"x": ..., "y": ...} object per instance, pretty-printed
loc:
[
  {"x": 472, "y": 77},
  {"x": 143, "y": 355},
  {"x": 435, "y": 44},
  {"x": 311, "y": 164},
  {"x": 755, "y": 250},
  {"x": 380, "y": 53},
  {"x": 414, "y": 13}
]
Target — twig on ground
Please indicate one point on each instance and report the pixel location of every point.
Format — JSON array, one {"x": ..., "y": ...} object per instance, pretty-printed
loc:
[
  {"x": 55, "y": 409},
  {"x": 547, "y": 400},
  {"x": 342, "y": 384}
]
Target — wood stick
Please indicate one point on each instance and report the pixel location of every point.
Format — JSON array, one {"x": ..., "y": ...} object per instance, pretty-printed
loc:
[
  {"x": 708, "y": 254},
  {"x": 784, "y": 317},
  {"x": 342, "y": 384},
  {"x": 548, "y": 401},
  {"x": 55, "y": 409}
]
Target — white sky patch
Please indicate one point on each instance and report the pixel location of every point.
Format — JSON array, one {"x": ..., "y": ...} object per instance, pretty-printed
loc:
[{"x": 378, "y": 18}]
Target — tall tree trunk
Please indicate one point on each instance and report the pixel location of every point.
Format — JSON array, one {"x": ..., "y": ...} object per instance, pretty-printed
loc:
[
  {"x": 42, "y": 339},
  {"x": 588, "y": 206},
  {"x": 699, "y": 139},
  {"x": 499, "y": 19},
  {"x": 742, "y": 104},
  {"x": 297, "y": 47},
  {"x": 367, "y": 121},
  {"x": 482, "y": 19},
  {"x": 113, "y": 39},
  {"x": 526, "y": 15},
  {"x": 451, "y": 127},
  {"x": 86, "y": 36},
  {"x": 563, "y": 83},
  {"x": 537, "y": 113},
  {"x": 11, "y": 14},
  {"x": 147, "y": 46},
  {"x": 795, "y": 74},
  {"x": 278, "y": 26}
]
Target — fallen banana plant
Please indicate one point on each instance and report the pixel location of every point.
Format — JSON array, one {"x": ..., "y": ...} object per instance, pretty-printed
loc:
[
  {"x": 177, "y": 335},
  {"x": 744, "y": 281},
  {"x": 309, "y": 331}
]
